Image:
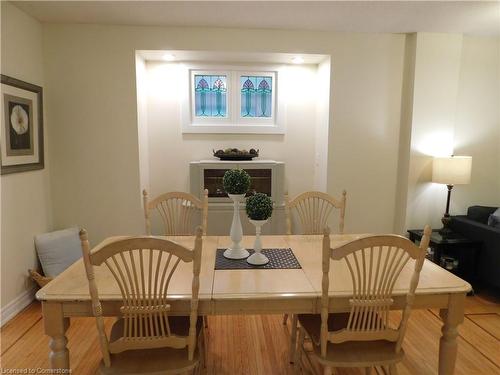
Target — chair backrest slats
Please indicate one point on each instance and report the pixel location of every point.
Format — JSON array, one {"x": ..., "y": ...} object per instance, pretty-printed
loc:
[
  {"x": 375, "y": 263},
  {"x": 313, "y": 210},
  {"x": 177, "y": 211},
  {"x": 143, "y": 268}
]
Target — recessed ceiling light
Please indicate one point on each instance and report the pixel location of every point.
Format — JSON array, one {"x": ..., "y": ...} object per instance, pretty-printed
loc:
[
  {"x": 298, "y": 60},
  {"x": 168, "y": 57}
]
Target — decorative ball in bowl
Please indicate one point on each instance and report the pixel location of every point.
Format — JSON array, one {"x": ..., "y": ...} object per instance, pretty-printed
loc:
[{"x": 259, "y": 208}]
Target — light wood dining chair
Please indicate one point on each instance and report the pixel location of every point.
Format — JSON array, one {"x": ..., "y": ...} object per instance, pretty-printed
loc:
[
  {"x": 146, "y": 339},
  {"x": 313, "y": 209},
  {"x": 177, "y": 211},
  {"x": 364, "y": 337}
]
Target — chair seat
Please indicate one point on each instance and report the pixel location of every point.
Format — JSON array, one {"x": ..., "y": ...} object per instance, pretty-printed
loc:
[
  {"x": 349, "y": 353},
  {"x": 359, "y": 354},
  {"x": 153, "y": 361},
  {"x": 312, "y": 324}
]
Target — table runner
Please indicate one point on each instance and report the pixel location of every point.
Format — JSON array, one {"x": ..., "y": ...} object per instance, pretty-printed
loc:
[{"x": 280, "y": 258}]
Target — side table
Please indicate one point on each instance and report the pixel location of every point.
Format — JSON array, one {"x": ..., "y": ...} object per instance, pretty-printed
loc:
[{"x": 463, "y": 250}]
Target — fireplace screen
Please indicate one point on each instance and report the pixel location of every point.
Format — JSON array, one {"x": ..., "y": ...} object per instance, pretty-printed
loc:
[{"x": 261, "y": 182}]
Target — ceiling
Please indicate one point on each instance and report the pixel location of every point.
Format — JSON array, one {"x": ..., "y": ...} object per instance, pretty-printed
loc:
[{"x": 469, "y": 17}]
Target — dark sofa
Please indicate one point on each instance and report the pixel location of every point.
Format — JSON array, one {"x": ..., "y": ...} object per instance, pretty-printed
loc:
[{"x": 475, "y": 226}]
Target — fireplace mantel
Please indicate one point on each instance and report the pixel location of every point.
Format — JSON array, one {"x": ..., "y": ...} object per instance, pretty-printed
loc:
[{"x": 242, "y": 162}]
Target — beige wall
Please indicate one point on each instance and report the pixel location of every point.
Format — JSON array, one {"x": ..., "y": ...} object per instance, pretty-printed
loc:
[
  {"x": 454, "y": 103},
  {"x": 90, "y": 75},
  {"x": 322, "y": 125},
  {"x": 435, "y": 90},
  {"x": 26, "y": 205},
  {"x": 477, "y": 130},
  {"x": 91, "y": 100},
  {"x": 405, "y": 134},
  {"x": 367, "y": 72},
  {"x": 142, "y": 121}
]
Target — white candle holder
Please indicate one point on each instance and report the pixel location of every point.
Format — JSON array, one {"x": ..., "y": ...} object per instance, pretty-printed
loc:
[
  {"x": 236, "y": 251},
  {"x": 257, "y": 258}
]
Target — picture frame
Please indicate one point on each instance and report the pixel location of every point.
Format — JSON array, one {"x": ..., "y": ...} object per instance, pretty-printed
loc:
[{"x": 21, "y": 135}]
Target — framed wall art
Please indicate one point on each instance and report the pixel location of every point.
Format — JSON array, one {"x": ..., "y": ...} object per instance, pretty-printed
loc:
[{"x": 21, "y": 140}]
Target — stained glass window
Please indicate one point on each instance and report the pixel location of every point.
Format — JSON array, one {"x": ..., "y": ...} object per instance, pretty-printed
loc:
[
  {"x": 210, "y": 95},
  {"x": 256, "y": 96}
]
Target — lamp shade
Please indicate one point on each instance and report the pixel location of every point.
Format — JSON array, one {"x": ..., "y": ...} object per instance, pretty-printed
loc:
[{"x": 452, "y": 170}]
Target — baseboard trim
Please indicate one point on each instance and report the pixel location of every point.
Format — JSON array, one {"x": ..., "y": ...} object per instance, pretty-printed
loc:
[{"x": 17, "y": 305}]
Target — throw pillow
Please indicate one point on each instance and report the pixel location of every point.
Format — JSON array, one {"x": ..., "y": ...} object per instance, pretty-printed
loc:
[
  {"x": 58, "y": 250},
  {"x": 494, "y": 219}
]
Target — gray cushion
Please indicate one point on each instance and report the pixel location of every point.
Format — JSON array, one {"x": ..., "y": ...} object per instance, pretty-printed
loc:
[
  {"x": 58, "y": 250},
  {"x": 494, "y": 219}
]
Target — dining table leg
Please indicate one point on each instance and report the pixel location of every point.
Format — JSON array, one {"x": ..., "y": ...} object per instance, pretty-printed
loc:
[
  {"x": 293, "y": 338},
  {"x": 56, "y": 326},
  {"x": 452, "y": 317}
]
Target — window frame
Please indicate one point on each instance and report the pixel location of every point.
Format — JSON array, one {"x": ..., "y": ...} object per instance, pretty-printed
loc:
[{"x": 233, "y": 123}]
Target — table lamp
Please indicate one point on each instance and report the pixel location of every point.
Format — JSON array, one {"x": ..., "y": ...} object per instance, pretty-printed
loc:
[{"x": 450, "y": 170}]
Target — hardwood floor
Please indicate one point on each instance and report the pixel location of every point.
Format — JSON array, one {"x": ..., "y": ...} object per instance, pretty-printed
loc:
[{"x": 258, "y": 344}]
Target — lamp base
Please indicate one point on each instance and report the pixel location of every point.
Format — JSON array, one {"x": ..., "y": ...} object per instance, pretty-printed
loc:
[{"x": 446, "y": 230}]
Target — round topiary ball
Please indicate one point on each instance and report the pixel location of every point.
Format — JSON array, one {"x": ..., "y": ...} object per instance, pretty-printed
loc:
[
  {"x": 259, "y": 207},
  {"x": 236, "y": 181}
]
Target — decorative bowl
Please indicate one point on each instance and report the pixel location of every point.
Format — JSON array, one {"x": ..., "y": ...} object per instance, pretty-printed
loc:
[{"x": 235, "y": 154}]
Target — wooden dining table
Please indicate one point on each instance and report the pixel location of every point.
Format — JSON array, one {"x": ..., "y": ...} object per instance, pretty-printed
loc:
[{"x": 254, "y": 291}]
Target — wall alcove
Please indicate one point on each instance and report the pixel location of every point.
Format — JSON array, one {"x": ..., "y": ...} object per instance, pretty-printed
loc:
[{"x": 302, "y": 108}]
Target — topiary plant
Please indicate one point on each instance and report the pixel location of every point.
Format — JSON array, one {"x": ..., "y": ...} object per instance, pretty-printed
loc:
[
  {"x": 236, "y": 181},
  {"x": 259, "y": 207}
]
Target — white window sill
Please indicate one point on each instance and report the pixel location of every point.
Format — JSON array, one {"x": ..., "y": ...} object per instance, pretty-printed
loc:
[{"x": 233, "y": 129}]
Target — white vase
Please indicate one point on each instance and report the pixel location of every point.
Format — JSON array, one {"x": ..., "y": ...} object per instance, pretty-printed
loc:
[
  {"x": 236, "y": 251},
  {"x": 257, "y": 258}
]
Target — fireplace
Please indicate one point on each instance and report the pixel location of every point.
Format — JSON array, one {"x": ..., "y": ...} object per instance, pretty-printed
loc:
[
  {"x": 261, "y": 182},
  {"x": 267, "y": 176}
]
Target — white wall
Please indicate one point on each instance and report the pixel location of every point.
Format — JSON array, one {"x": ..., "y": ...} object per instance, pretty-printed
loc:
[
  {"x": 477, "y": 129},
  {"x": 170, "y": 151},
  {"x": 90, "y": 75},
  {"x": 26, "y": 204}
]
